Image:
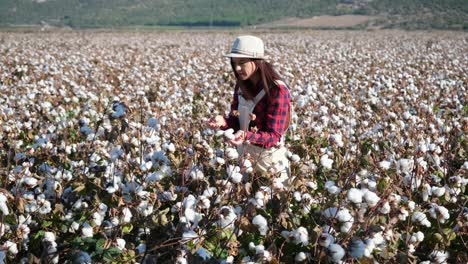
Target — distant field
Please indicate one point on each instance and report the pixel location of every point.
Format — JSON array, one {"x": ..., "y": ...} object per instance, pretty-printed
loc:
[{"x": 321, "y": 22}]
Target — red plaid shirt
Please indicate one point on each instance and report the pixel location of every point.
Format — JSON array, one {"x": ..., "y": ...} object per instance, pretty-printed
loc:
[{"x": 271, "y": 116}]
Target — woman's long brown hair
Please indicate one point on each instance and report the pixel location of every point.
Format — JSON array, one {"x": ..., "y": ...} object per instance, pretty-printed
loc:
[{"x": 268, "y": 76}]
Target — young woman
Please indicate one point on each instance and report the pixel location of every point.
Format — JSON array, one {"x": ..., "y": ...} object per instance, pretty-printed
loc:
[{"x": 260, "y": 109}]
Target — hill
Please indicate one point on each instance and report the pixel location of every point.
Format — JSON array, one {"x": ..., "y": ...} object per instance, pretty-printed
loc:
[{"x": 409, "y": 14}]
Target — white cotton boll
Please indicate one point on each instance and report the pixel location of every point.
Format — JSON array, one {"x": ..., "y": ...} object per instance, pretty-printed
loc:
[
  {"x": 439, "y": 256},
  {"x": 344, "y": 215},
  {"x": 120, "y": 243},
  {"x": 203, "y": 253},
  {"x": 86, "y": 230},
  {"x": 231, "y": 153},
  {"x": 417, "y": 237},
  {"x": 301, "y": 236},
  {"x": 420, "y": 218},
  {"x": 29, "y": 181},
  {"x": 330, "y": 212},
  {"x": 112, "y": 189},
  {"x": 145, "y": 209},
  {"x": 205, "y": 202},
  {"x": 97, "y": 219},
  {"x": 229, "y": 134},
  {"x": 190, "y": 236},
  {"x": 3, "y": 206},
  {"x": 295, "y": 158},
  {"x": 146, "y": 166},
  {"x": 300, "y": 257},
  {"x": 141, "y": 248},
  {"x": 252, "y": 246},
  {"x": 411, "y": 205},
  {"x": 171, "y": 148},
  {"x": 329, "y": 184},
  {"x": 439, "y": 212},
  {"x": 371, "y": 198},
  {"x": 219, "y": 133},
  {"x": 334, "y": 189},
  {"x": 405, "y": 165},
  {"x": 227, "y": 217},
  {"x": 196, "y": 174},
  {"x": 49, "y": 237},
  {"x": 354, "y": 195},
  {"x": 127, "y": 215},
  {"x": 426, "y": 191},
  {"x": 259, "y": 249},
  {"x": 83, "y": 257},
  {"x": 337, "y": 139},
  {"x": 11, "y": 246},
  {"x": 411, "y": 248},
  {"x": 312, "y": 184},
  {"x": 385, "y": 209},
  {"x": 297, "y": 196},
  {"x": 346, "y": 227},
  {"x": 153, "y": 123},
  {"x": 234, "y": 173},
  {"x": 261, "y": 223},
  {"x": 45, "y": 208},
  {"x": 326, "y": 239},
  {"x": 220, "y": 161},
  {"x": 286, "y": 235},
  {"x": 369, "y": 247},
  {"x": 326, "y": 162},
  {"x": 371, "y": 185},
  {"x": 437, "y": 191},
  {"x": 356, "y": 248},
  {"x": 336, "y": 252},
  {"x": 74, "y": 227},
  {"x": 210, "y": 192}
]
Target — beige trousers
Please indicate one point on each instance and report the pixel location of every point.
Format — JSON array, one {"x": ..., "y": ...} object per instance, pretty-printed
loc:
[{"x": 267, "y": 162}]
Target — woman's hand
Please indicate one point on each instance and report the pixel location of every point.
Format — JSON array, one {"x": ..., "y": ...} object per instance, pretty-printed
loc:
[
  {"x": 239, "y": 138},
  {"x": 217, "y": 122}
]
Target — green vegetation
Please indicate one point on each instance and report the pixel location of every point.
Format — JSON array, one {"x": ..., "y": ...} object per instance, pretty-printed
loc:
[{"x": 451, "y": 14}]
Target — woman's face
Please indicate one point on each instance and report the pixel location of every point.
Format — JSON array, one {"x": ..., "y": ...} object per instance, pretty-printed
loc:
[{"x": 244, "y": 67}]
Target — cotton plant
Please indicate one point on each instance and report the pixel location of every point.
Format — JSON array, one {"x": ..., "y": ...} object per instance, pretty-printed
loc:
[{"x": 102, "y": 130}]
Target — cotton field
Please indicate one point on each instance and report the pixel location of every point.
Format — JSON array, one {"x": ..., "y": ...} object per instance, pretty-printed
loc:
[{"x": 106, "y": 155}]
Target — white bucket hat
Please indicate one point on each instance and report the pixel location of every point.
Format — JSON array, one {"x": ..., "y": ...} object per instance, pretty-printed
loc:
[{"x": 247, "y": 47}]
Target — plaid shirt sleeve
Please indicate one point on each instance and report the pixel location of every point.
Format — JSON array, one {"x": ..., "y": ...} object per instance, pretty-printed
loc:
[{"x": 276, "y": 119}]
